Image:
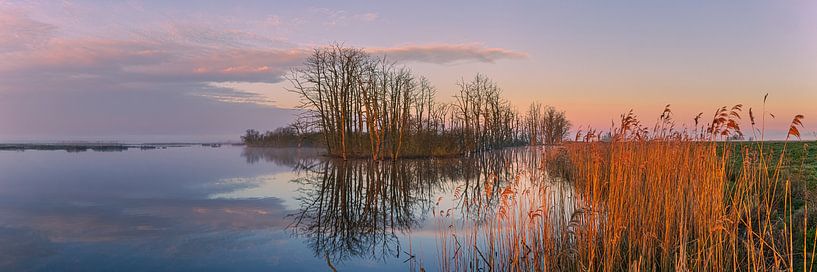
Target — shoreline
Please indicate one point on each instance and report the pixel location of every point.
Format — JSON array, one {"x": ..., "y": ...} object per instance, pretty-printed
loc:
[{"x": 80, "y": 147}]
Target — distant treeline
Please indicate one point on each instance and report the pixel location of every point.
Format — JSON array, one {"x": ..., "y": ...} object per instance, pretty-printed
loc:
[
  {"x": 282, "y": 137},
  {"x": 360, "y": 105}
]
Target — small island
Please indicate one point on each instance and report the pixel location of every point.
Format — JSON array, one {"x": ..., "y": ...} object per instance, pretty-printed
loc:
[{"x": 358, "y": 105}]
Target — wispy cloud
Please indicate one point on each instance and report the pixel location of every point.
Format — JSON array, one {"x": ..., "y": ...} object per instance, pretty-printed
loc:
[
  {"x": 204, "y": 35},
  {"x": 102, "y": 84},
  {"x": 368, "y": 16},
  {"x": 110, "y": 69},
  {"x": 192, "y": 55},
  {"x": 272, "y": 21},
  {"x": 19, "y": 32},
  {"x": 226, "y": 92},
  {"x": 447, "y": 53},
  {"x": 181, "y": 54},
  {"x": 332, "y": 17}
]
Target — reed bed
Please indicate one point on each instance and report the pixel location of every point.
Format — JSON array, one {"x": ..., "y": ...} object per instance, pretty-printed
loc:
[{"x": 656, "y": 199}]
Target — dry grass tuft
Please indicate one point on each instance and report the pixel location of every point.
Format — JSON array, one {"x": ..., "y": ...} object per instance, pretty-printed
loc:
[
  {"x": 793, "y": 131},
  {"x": 648, "y": 200}
]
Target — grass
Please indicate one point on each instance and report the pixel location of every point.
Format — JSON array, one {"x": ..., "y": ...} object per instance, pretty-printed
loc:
[
  {"x": 653, "y": 200},
  {"x": 799, "y": 164}
]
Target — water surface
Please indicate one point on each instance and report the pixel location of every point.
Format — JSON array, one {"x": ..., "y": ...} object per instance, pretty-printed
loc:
[{"x": 237, "y": 209}]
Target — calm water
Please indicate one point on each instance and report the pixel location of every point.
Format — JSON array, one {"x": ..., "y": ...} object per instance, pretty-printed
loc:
[{"x": 235, "y": 209}]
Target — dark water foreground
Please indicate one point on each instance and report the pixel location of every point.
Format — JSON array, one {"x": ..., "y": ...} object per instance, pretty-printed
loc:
[{"x": 196, "y": 208}]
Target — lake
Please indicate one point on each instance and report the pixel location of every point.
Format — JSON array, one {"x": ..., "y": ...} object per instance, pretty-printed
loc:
[{"x": 231, "y": 208}]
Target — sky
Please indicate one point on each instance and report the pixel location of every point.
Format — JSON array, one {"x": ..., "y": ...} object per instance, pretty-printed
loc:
[{"x": 207, "y": 70}]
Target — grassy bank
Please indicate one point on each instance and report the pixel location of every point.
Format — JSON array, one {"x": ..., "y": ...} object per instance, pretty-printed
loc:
[
  {"x": 646, "y": 205},
  {"x": 798, "y": 165},
  {"x": 658, "y": 200}
]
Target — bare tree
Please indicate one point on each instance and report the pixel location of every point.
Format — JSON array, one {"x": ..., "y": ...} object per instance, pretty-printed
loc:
[
  {"x": 545, "y": 125},
  {"x": 367, "y": 106}
]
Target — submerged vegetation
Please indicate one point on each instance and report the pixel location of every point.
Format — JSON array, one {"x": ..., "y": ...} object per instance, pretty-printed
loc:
[{"x": 365, "y": 106}]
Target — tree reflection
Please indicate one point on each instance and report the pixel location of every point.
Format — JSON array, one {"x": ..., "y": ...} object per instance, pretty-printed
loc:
[
  {"x": 358, "y": 208},
  {"x": 296, "y": 158}
]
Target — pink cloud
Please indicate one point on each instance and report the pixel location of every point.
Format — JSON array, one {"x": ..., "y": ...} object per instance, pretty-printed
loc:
[
  {"x": 19, "y": 32},
  {"x": 167, "y": 61},
  {"x": 181, "y": 53},
  {"x": 334, "y": 17},
  {"x": 273, "y": 21},
  {"x": 447, "y": 53},
  {"x": 147, "y": 61},
  {"x": 368, "y": 17},
  {"x": 178, "y": 57},
  {"x": 61, "y": 53}
]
